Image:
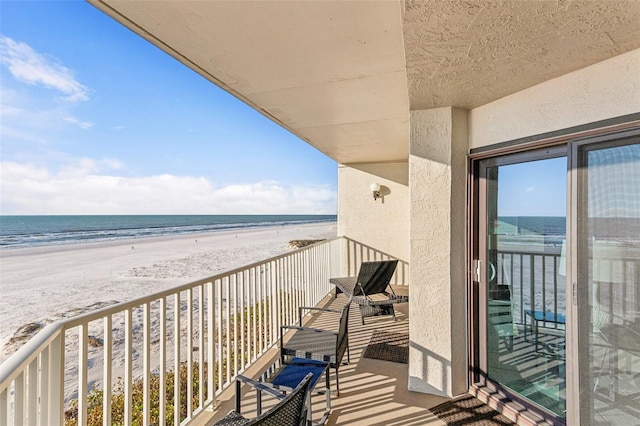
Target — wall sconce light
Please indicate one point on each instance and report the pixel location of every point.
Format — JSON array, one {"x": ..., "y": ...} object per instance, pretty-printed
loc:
[{"x": 375, "y": 188}]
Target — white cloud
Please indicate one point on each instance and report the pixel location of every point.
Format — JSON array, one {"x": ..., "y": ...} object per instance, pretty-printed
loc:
[
  {"x": 89, "y": 187},
  {"x": 79, "y": 123},
  {"x": 31, "y": 67}
]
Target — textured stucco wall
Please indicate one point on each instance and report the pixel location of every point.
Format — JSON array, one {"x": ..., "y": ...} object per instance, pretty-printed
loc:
[
  {"x": 608, "y": 89},
  {"x": 437, "y": 307},
  {"x": 384, "y": 223}
]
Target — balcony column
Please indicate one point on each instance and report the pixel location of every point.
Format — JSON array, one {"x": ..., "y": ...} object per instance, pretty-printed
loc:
[{"x": 437, "y": 309}]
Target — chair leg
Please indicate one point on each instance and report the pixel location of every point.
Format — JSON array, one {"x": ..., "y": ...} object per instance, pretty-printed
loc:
[
  {"x": 238, "y": 404},
  {"x": 309, "y": 412},
  {"x": 328, "y": 391},
  {"x": 337, "y": 384}
]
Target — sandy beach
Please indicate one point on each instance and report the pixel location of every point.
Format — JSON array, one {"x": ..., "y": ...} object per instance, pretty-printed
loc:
[{"x": 40, "y": 285}]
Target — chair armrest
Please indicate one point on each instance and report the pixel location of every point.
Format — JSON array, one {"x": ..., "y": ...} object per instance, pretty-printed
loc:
[
  {"x": 318, "y": 309},
  {"x": 260, "y": 386},
  {"x": 307, "y": 329},
  {"x": 313, "y": 308}
]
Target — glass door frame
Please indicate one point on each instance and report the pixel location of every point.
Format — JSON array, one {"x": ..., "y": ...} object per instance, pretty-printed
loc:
[
  {"x": 577, "y": 260},
  {"x": 479, "y": 255},
  {"x": 571, "y": 139}
]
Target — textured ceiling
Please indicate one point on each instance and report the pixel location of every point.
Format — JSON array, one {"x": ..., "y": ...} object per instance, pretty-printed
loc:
[
  {"x": 343, "y": 75},
  {"x": 469, "y": 53}
]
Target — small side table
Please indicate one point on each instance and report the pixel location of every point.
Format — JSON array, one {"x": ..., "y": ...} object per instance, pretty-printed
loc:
[{"x": 290, "y": 374}]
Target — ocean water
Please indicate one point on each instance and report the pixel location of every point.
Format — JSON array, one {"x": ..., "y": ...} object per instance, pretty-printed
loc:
[
  {"x": 33, "y": 231},
  {"x": 537, "y": 225},
  {"x": 546, "y": 230}
]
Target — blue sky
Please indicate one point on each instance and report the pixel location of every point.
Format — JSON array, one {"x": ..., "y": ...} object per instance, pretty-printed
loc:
[
  {"x": 95, "y": 120},
  {"x": 536, "y": 188}
]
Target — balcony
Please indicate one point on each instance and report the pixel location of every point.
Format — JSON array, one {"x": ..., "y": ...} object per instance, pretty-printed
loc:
[
  {"x": 125, "y": 355},
  {"x": 72, "y": 370}
]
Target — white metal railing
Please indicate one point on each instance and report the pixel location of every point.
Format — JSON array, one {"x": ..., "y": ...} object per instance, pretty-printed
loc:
[
  {"x": 354, "y": 253},
  {"x": 209, "y": 331},
  {"x": 534, "y": 281}
]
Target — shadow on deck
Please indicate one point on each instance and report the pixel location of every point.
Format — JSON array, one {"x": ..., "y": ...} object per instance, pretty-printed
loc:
[{"x": 372, "y": 392}]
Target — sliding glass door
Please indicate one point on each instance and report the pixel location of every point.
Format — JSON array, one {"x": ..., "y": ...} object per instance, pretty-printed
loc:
[
  {"x": 607, "y": 223},
  {"x": 522, "y": 286},
  {"x": 556, "y": 294}
]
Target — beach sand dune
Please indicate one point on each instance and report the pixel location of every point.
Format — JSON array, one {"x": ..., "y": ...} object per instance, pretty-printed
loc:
[{"x": 41, "y": 285}]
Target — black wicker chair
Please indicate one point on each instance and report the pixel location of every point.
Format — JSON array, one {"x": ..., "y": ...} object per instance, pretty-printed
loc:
[
  {"x": 371, "y": 289},
  {"x": 291, "y": 410},
  {"x": 314, "y": 343}
]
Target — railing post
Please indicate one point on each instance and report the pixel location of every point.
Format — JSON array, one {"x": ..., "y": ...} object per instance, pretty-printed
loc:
[
  {"x": 32, "y": 393},
  {"x": 56, "y": 380},
  {"x": 189, "y": 353},
  {"x": 211, "y": 342},
  {"x": 146, "y": 361},
  {"x": 543, "y": 260},
  {"x": 532, "y": 281},
  {"x": 107, "y": 344},
  {"x": 82, "y": 374},
  {"x": 18, "y": 399},
  {"x": 227, "y": 327},
  {"x": 128, "y": 379},
  {"x": 253, "y": 279},
  {"x": 162, "y": 368},
  {"x": 521, "y": 287},
  {"x": 44, "y": 385},
  {"x": 273, "y": 320},
  {"x": 219, "y": 331},
  {"x": 201, "y": 346},
  {"x": 240, "y": 283},
  {"x": 4, "y": 408},
  {"x": 261, "y": 281},
  {"x": 556, "y": 259},
  {"x": 176, "y": 360},
  {"x": 306, "y": 268}
]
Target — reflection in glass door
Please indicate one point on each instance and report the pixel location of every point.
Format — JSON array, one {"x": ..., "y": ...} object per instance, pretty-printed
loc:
[
  {"x": 523, "y": 225},
  {"x": 608, "y": 279}
]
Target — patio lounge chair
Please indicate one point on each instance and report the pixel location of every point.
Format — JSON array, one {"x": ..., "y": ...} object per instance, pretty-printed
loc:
[
  {"x": 371, "y": 289},
  {"x": 315, "y": 343},
  {"x": 291, "y": 410}
]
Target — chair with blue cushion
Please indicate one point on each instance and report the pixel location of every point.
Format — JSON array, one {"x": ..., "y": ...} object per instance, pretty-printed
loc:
[
  {"x": 318, "y": 344},
  {"x": 291, "y": 410}
]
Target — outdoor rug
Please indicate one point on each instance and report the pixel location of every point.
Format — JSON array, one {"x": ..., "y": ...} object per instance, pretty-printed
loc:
[
  {"x": 469, "y": 411},
  {"x": 388, "y": 346}
]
